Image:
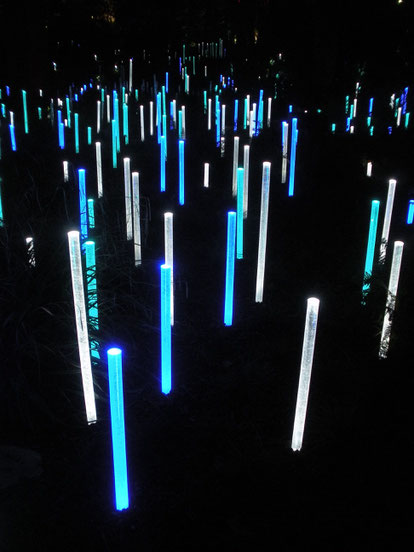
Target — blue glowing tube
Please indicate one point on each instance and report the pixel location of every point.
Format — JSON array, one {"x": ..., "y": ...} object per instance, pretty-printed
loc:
[
  {"x": 245, "y": 113},
  {"x": 230, "y": 256},
  {"x": 218, "y": 111},
  {"x": 371, "y": 103},
  {"x": 410, "y": 214},
  {"x": 292, "y": 157},
  {"x": 181, "y": 171},
  {"x": 61, "y": 135},
  {"x": 166, "y": 82},
  {"x": 180, "y": 124},
  {"x": 114, "y": 152},
  {"x": 162, "y": 165},
  {"x": 159, "y": 118},
  {"x": 26, "y": 124},
  {"x": 76, "y": 133},
  {"x": 164, "y": 108},
  {"x": 240, "y": 192},
  {"x": 236, "y": 113},
  {"x": 165, "y": 329},
  {"x": 12, "y": 138},
  {"x": 164, "y": 131},
  {"x": 116, "y": 400},
  {"x": 260, "y": 114},
  {"x": 83, "y": 212},
  {"x": 59, "y": 115},
  {"x": 370, "y": 247},
  {"x": 205, "y": 100}
]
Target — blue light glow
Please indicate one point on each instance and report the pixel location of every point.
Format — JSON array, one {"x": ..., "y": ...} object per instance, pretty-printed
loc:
[
  {"x": 410, "y": 214},
  {"x": 165, "y": 329},
  {"x": 293, "y": 157},
  {"x": 116, "y": 400},
  {"x": 61, "y": 135},
  {"x": 12, "y": 138},
  {"x": 114, "y": 152},
  {"x": 230, "y": 258},
  {"x": 236, "y": 113},
  {"x": 82, "y": 206}
]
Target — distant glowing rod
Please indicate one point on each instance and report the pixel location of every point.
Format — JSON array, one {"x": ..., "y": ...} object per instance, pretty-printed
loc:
[
  {"x": 136, "y": 218},
  {"x": 162, "y": 164},
  {"x": 387, "y": 220},
  {"x": 108, "y": 108},
  {"x": 223, "y": 119},
  {"x": 130, "y": 75},
  {"x": 91, "y": 213},
  {"x": 246, "y": 156},
  {"x": 30, "y": 251},
  {"x": 99, "y": 168},
  {"x": 293, "y": 157},
  {"x": 26, "y": 123},
  {"x": 114, "y": 151},
  {"x": 61, "y": 136},
  {"x": 305, "y": 372},
  {"x": 183, "y": 131},
  {"x": 410, "y": 214},
  {"x": 391, "y": 298},
  {"x": 65, "y": 171},
  {"x": 285, "y": 131},
  {"x": 235, "y": 165},
  {"x": 399, "y": 116},
  {"x": 269, "y": 111},
  {"x": 239, "y": 237},
  {"x": 230, "y": 258},
  {"x": 264, "y": 209},
  {"x": 128, "y": 204},
  {"x": 165, "y": 329},
  {"x": 141, "y": 121},
  {"x": 209, "y": 115},
  {"x": 12, "y": 137},
  {"x": 116, "y": 401},
  {"x": 98, "y": 117},
  {"x": 369, "y": 261},
  {"x": 92, "y": 297},
  {"x": 77, "y": 132},
  {"x": 181, "y": 171},
  {"x": 236, "y": 114},
  {"x": 206, "y": 174},
  {"x": 174, "y": 113},
  {"x": 151, "y": 118},
  {"x": 83, "y": 210},
  {"x": 369, "y": 168},
  {"x": 169, "y": 255},
  {"x": 81, "y": 325}
]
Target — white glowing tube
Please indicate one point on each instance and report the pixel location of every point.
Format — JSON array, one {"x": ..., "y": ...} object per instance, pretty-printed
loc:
[
  {"x": 264, "y": 210},
  {"x": 387, "y": 219},
  {"x": 369, "y": 168},
  {"x": 183, "y": 122},
  {"x": 391, "y": 297},
  {"x": 30, "y": 251},
  {"x": 108, "y": 108},
  {"x": 65, "y": 171},
  {"x": 305, "y": 372},
  {"x": 285, "y": 131},
  {"x": 169, "y": 255},
  {"x": 137, "y": 218},
  {"x": 98, "y": 117},
  {"x": 206, "y": 174},
  {"x": 223, "y": 119},
  {"x": 399, "y": 116},
  {"x": 151, "y": 117},
  {"x": 248, "y": 109},
  {"x": 355, "y": 107},
  {"x": 269, "y": 110},
  {"x": 141, "y": 121},
  {"x": 99, "y": 168},
  {"x": 235, "y": 165},
  {"x": 187, "y": 83},
  {"x": 209, "y": 114},
  {"x": 253, "y": 122},
  {"x": 251, "y": 127},
  {"x": 81, "y": 325},
  {"x": 246, "y": 156},
  {"x": 130, "y": 75},
  {"x": 128, "y": 205},
  {"x": 175, "y": 113}
]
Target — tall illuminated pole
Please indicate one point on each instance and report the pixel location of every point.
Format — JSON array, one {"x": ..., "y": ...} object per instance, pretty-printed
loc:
[
  {"x": 235, "y": 165},
  {"x": 293, "y": 157},
  {"x": 76, "y": 132},
  {"x": 239, "y": 237},
  {"x": 264, "y": 210},
  {"x": 165, "y": 329},
  {"x": 206, "y": 174},
  {"x": 410, "y": 214},
  {"x": 151, "y": 118},
  {"x": 169, "y": 255},
  {"x": 128, "y": 203},
  {"x": 391, "y": 298},
  {"x": 305, "y": 372},
  {"x": 136, "y": 218},
  {"x": 162, "y": 164},
  {"x": 26, "y": 123},
  {"x": 181, "y": 171},
  {"x": 92, "y": 297},
  {"x": 369, "y": 261},
  {"x": 141, "y": 121},
  {"x": 387, "y": 219},
  {"x": 246, "y": 156},
  {"x": 81, "y": 325},
  {"x": 269, "y": 111},
  {"x": 83, "y": 210},
  {"x": 285, "y": 131},
  {"x": 230, "y": 260},
  {"x": 209, "y": 115},
  {"x": 130, "y": 75},
  {"x": 116, "y": 403},
  {"x": 99, "y": 168},
  {"x": 13, "y": 138}
]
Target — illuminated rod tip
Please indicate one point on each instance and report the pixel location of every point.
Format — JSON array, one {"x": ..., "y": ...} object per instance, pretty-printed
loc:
[
  {"x": 114, "y": 351},
  {"x": 73, "y": 234}
]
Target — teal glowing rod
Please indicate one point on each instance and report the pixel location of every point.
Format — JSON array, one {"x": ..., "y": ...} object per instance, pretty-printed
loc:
[
  {"x": 26, "y": 123},
  {"x": 76, "y": 132},
  {"x": 230, "y": 257},
  {"x": 369, "y": 261},
  {"x": 181, "y": 171},
  {"x": 165, "y": 329}
]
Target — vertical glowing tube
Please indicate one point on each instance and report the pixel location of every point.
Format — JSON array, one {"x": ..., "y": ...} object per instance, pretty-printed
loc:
[
  {"x": 68, "y": 112},
  {"x": 130, "y": 75},
  {"x": 91, "y": 213},
  {"x": 252, "y": 121},
  {"x": 165, "y": 329},
  {"x": 151, "y": 117},
  {"x": 205, "y": 100},
  {"x": 269, "y": 111},
  {"x": 285, "y": 131},
  {"x": 235, "y": 165},
  {"x": 387, "y": 219},
  {"x": 369, "y": 168},
  {"x": 369, "y": 260},
  {"x": 26, "y": 123},
  {"x": 128, "y": 204},
  {"x": 30, "y": 251},
  {"x": 245, "y": 114},
  {"x": 116, "y": 402},
  {"x": 305, "y": 372},
  {"x": 248, "y": 109},
  {"x": 264, "y": 210},
  {"x": 162, "y": 164},
  {"x": 114, "y": 152},
  {"x": 169, "y": 255},
  {"x": 183, "y": 132},
  {"x": 260, "y": 112},
  {"x": 158, "y": 117},
  {"x": 141, "y": 121},
  {"x": 410, "y": 214},
  {"x": 399, "y": 116},
  {"x": 246, "y": 156},
  {"x": 77, "y": 132},
  {"x": 355, "y": 108},
  {"x": 206, "y": 174},
  {"x": 136, "y": 218},
  {"x": 99, "y": 168},
  {"x": 391, "y": 298},
  {"x": 181, "y": 171},
  {"x": 125, "y": 122},
  {"x": 13, "y": 138},
  {"x": 236, "y": 114},
  {"x": 292, "y": 157},
  {"x": 98, "y": 117},
  {"x": 89, "y": 130},
  {"x": 61, "y": 136},
  {"x": 230, "y": 257},
  {"x": 65, "y": 171},
  {"x": 209, "y": 115},
  {"x": 239, "y": 237},
  {"x": 92, "y": 296},
  {"x": 81, "y": 325},
  {"x": 83, "y": 212},
  {"x": 108, "y": 108},
  {"x": 223, "y": 119}
]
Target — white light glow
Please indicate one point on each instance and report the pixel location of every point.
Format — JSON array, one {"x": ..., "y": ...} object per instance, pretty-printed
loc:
[
  {"x": 151, "y": 118},
  {"x": 136, "y": 218},
  {"x": 269, "y": 110},
  {"x": 169, "y": 255},
  {"x": 206, "y": 174},
  {"x": 387, "y": 219},
  {"x": 65, "y": 171},
  {"x": 235, "y": 165},
  {"x": 99, "y": 168},
  {"x": 264, "y": 209},
  {"x": 128, "y": 204},
  {"x": 369, "y": 168},
  {"x": 141, "y": 122},
  {"x": 30, "y": 251}
]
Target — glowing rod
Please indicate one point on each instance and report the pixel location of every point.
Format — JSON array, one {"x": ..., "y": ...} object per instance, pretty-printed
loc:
[
  {"x": 235, "y": 165},
  {"x": 246, "y": 155},
  {"x": 230, "y": 256},
  {"x": 264, "y": 209},
  {"x": 141, "y": 122},
  {"x": 92, "y": 293},
  {"x": 130, "y": 75},
  {"x": 108, "y": 108},
  {"x": 65, "y": 171},
  {"x": 181, "y": 171},
  {"x": 369, "y": 261},
  {"x": 136, "y": 218},
  {"x": 206, "y": 174},
  {"x": 162, "y": 164},
  {"x": 26, "y": 124},
  {"x": 239, "y": 238},
  {"x": 98, "y": 117},
  {"x": 114, "y": 152},
  {"x": 30, "y": 251},
  {"x": 223, "y": 119},
  {"x": 183, "y": 135},
  {"x": 305, "y": 372},
  {"x": 285, "y": 130},
  {"x": 99, "y": 168},
  {"x": 76, "y": 132},
  {"x": 82, "y": 205},
  {"x": 260, "y": 113},
  {"x": 81, "y": 325},
  {"x": 236, "y": 114},
  {"x": 293, "y": 157},
  {"x": 158, "y": 117},
  {"x": 128, "y": 204},
  {"x": 369, "y": 168},
  {"x": 12, "y": 137},
  {"x": 391, "y": 298},
  {"x": 151, "y": 117},
  {"x": 165, "y": 329},
  {"x": 169, "y": 255},
  {"x": 209, "y": 115},
  {"x": 116, "y": 401},
  {"x": 91, "y": 213},
  {"x": 387, "y": 219},
  {"x": 125, "y": 122},
  {"x": 410, "y": 214}
]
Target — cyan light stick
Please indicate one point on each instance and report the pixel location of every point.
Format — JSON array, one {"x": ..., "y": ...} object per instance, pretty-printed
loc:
[
  {"x": 369, "y": 260},
  {"x": 128, "y": 202},
  {"x": 92, "y": 295},
  {"x": 391, "y": 298},
  {"x": 114, "y": 152},
  {"x": 305, "y": 372},
  {"x": 68, "y": 112},
  {"x": 169, "y": 255},
  {"x": 239, "y": 237},
  {"x": 387, "y": 219},
  {"x": 235, "y": 165},
  {"x": 205, "y": 101},
  {"x": 81, "y": 325},
  {"x": 12, "y": 137},
  {"x": 410, "y": 214},
  {"x": 83, "y": 211},
  {"x": 181, "y": 171},
  {"x": 26, "y": 123},
  {"x": 136, "y": 218},
  {"x": 159, "y": 118},
  {"x": 230, "y": 260},
  {"x": 89, "y": 130},
  {"x": 116, "y": 402},
  {"x": 165, "y": 329},
  {"x": 264, "y": 210},
  {"x": 125, "y": 123},
  {"x": 76, "y": 132},
  {"x": 293, "y": 157}
]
